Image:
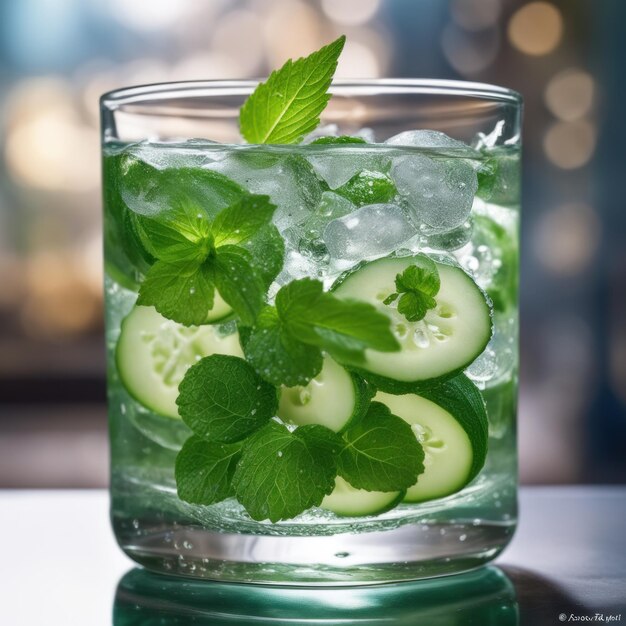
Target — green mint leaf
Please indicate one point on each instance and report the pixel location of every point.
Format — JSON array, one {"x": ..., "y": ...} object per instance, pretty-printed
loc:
[
  {"x": 182, "y": 291},
  {"x": 126, "y": 258},
  {"x": 381, "y": 452},
  {"x": 286, "y": 343},
  {"x": 238, "y": 282},
  {"x": 345, "y": 328},
  {"x": 343, "y": 139},
  {"x": 276, "y": 355},
  {"x": 418, "y": 283},
  {"x": 422, "y": 276},
  {"x": 204, "y": 470},
  {"x": 222, "y": 399},
  {"x": 391, "y": 298},
  {"x": 487, "y": 175},
  {"x": 181, "y": 233},
  {"x": 242, "y": 220},
  {"x": 414, "y": 305},
  {"x": 267, "y": 249},
  {"x": 309, "y": 185},
  {"x": 368, "y": 188},
  {"x": 150, "y": 191},
  {"x": 288, "y": 105},
  {"x": 283, "y": 473}
]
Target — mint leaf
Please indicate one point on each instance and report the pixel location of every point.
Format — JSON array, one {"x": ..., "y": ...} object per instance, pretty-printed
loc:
[
  {"x": 283, "y": 473},
  {"x": 285, "y": 344},
  {"x": 198, "y": 255},
  {"x": 422, "y": 275},
  {"x": 368, "y": 188},
  {"x": 343, "y": 139},
  {"x": 288, "y": 105},
  {"x": 381, "y": 452},
  {"x": 277, "y": 356},
  {"x": 238, "y": 282},
  {"x": 204, "y": 470},
  {"x": 418, "y": 283},
  {"x": 178, "y": 234},
  {"x": 267, "y": 249},
  {"x": 222, "y": 399},
  {"x": 242, "y": 220},
  {"x": 343, "y": 327},
  {"x": 487, "y": 175},
  {"x": 182, "y": 291}
]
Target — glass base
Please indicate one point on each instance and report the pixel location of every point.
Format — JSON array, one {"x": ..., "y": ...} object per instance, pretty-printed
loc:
[
  {"x": 485, "y": 596},
  {"x": 408, "y": 552}
]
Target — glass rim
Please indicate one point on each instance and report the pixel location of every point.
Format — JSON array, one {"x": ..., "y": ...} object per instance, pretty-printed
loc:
[{"x": 386, "y": 86}]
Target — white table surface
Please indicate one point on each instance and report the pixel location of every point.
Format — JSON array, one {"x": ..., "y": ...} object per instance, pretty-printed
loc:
[{"x": 60, "y": 563}]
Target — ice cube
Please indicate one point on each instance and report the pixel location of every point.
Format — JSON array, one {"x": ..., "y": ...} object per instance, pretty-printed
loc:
[
  {"x": 371, "y": 231},
  {"x": 366, "y": 134},
  {"x": 330, "y": 207},
  {"x": 451, "y": 239},
  {"x": 289, "y": 181},
  {"x": 438, "y": 191},
  {"x": 491, "y": 140},
  {"x": 163, "y": 156},
  {"x": 497, "y": 362},
  {"x": 338, "y": 164},
  {"x": 430, "y": 139},
  {"x": 297, "y": 265},
  {"x": 327, "y": 130}
]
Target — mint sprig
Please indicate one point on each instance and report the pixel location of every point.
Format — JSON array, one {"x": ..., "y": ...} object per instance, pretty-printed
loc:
[
  {"x": 204, "y": 470},
  {"x": 288, "y": 105},
  {"x": 283, "y": 473},
  {"x": 239, "y": 253},
  {"x": 368, "y": 188},
  {"x": 381, "y": 452},
  {"x": 285, "y": 346},
  {"x": 416, "y": 287},
  {"x": 183, "y": 291},
  {"x": 222, "y": 399}
]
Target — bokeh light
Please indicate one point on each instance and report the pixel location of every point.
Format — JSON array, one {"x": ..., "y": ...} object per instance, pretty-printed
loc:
[
  {"x": 569, "y": 94},
  {"x": 151, "y": 15},
  {"x": 49, "y": 147},
  {"x": 470, "y": 53},
  {"x": 475, "y": 15},
  {"x": 566, "y": 238},
  {"x": 237, "y": 27},
  {"x": 569, "y": 145},
  {"x": 291, "y": 30},
  {"x": 536, "y": 28},
  {"x": 350, "y": 12}
]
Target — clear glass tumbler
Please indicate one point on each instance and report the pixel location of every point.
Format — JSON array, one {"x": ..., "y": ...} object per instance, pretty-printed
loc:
[{"x": 429, "y": 184}]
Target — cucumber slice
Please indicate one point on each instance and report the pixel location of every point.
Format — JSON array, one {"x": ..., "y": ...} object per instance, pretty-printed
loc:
[
  {"x": 450, "y": 422},
  {"x": 334, "y": 398},
  {"x": 347, "y": 501},
  {"x": 441, "y": 345},
  {"x": 220, "y": 312},
  {"x": 153, "y": 354}
]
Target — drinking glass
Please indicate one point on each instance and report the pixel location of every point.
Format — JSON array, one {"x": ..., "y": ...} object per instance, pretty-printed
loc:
[{"x": 447, "y": 158}]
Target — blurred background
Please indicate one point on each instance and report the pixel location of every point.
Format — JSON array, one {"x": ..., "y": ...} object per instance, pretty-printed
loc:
[{"x": 566, "y": 58}]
